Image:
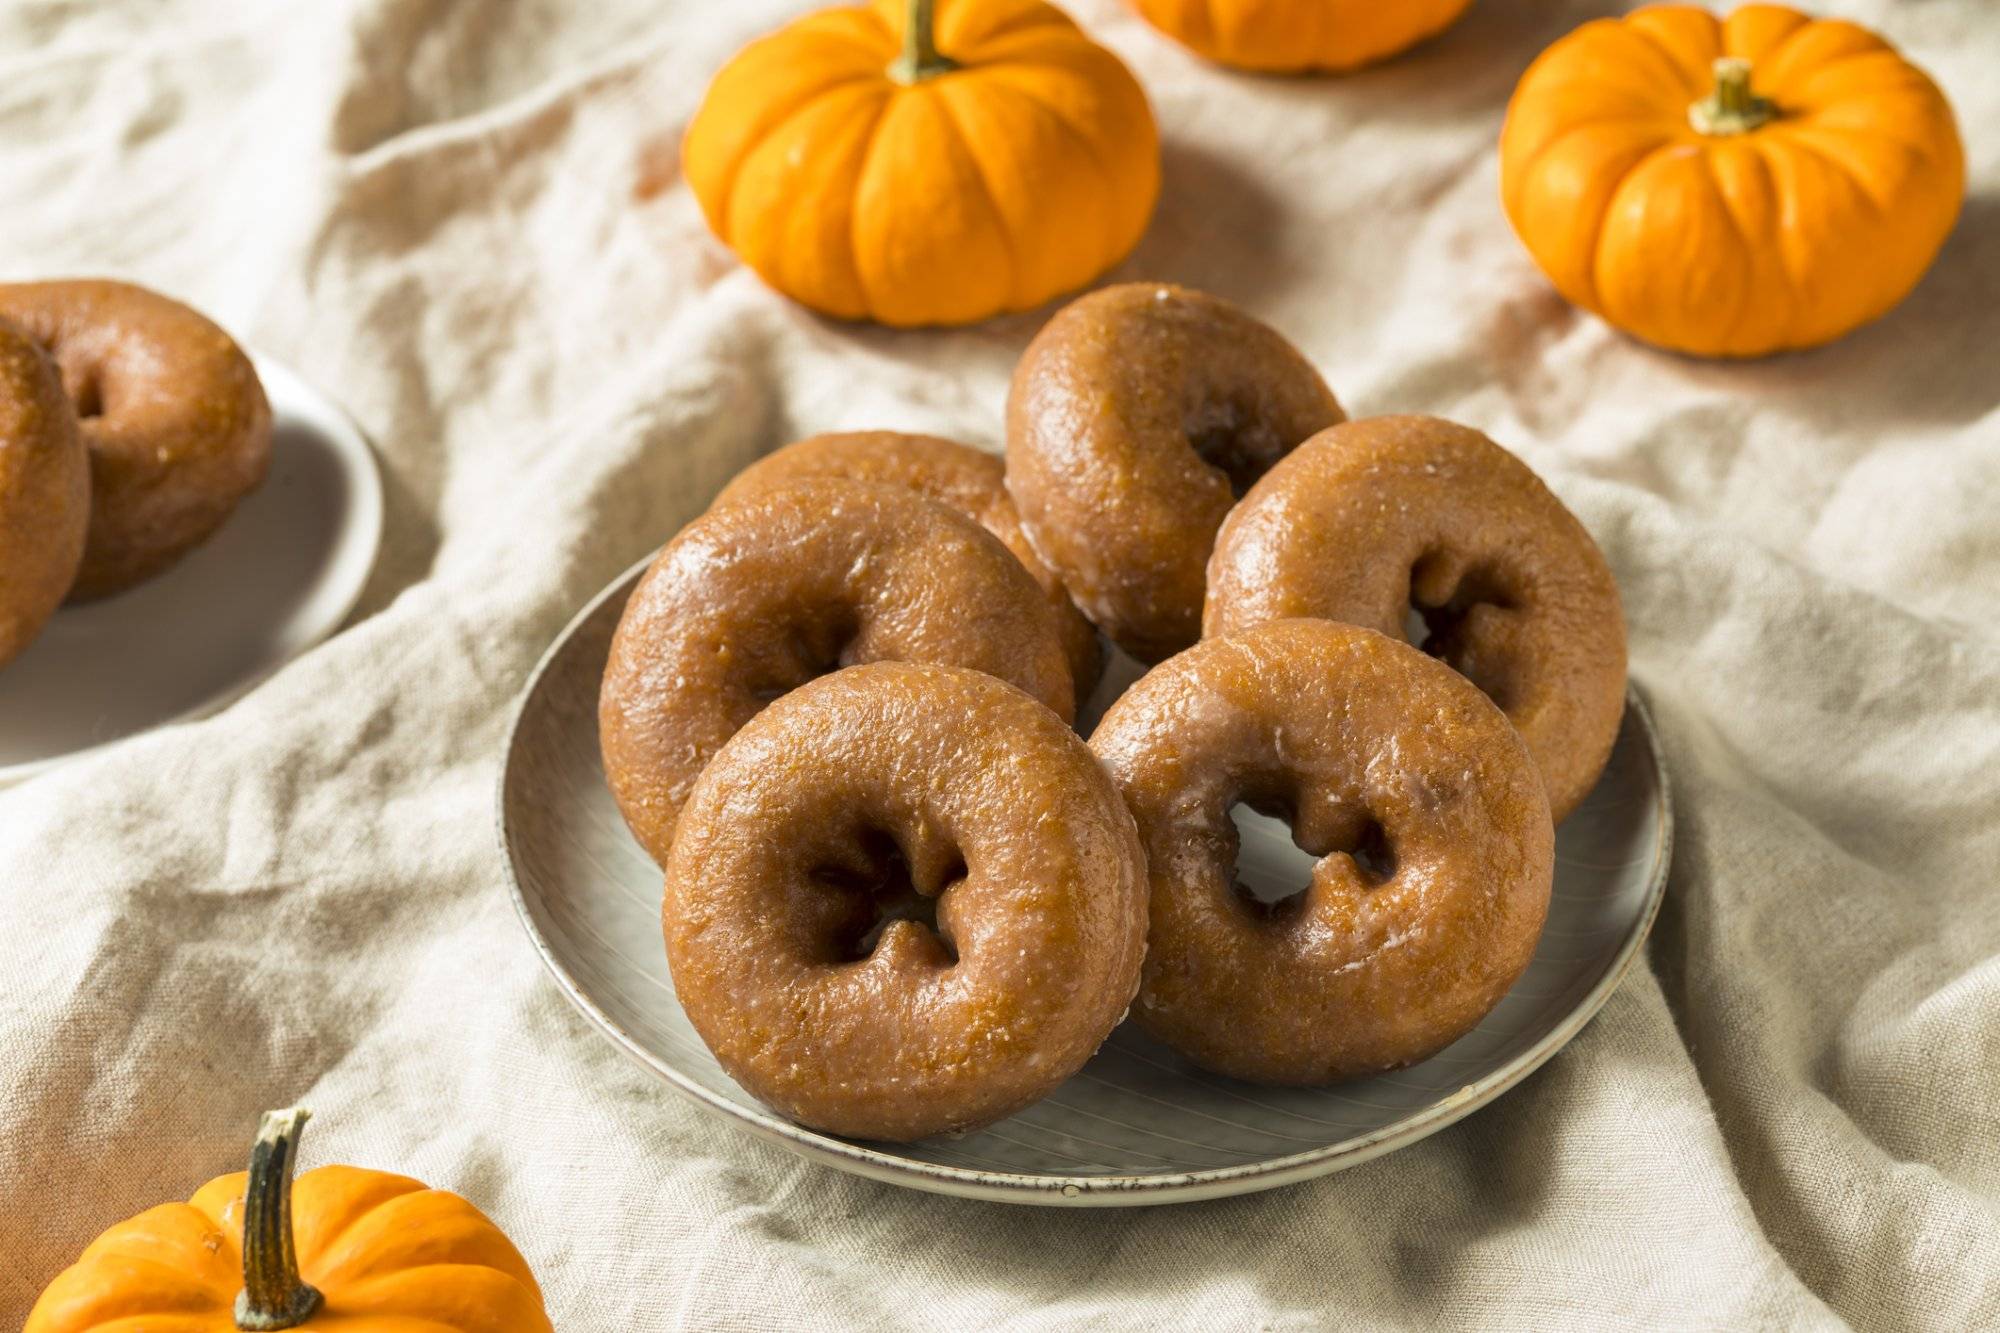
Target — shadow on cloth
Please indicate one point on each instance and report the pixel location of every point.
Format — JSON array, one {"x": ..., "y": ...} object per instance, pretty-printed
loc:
[{"x": 1211, "y": 216}]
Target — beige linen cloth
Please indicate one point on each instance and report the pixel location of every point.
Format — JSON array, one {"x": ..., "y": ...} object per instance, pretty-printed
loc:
[{"x": 464, "y": 220}]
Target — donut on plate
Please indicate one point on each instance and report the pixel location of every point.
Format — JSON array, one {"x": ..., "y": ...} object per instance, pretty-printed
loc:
[
  {"x": 176, "y": 421},
  {"x": 904, "y": 900},
  {"x": 757, "y": 597},
  {"x": 1136, "y": 417},
  {"x": 967, "y": 479},
  {"x": 1436, "y": 853},
  {"x": 1373, "y": 519},
  {"x": 44, "y": 491}
]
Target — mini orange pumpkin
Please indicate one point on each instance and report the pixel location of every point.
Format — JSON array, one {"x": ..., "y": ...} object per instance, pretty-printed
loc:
[
  {"x": 1293, "y": 35},
  {"x": 868, "y": 171},
  {"x": 373, "y": 1252},
  {"x": 1730, "y": 187}
]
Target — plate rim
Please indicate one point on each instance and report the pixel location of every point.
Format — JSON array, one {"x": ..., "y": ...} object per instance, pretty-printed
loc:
[
  {"x": 1078, "y": 1191},
  {"x": 363, "y": 465}
]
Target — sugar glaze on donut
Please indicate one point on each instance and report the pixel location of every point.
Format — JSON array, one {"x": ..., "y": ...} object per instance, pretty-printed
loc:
[
  {"x": 757, "y": 597},
  {"x": 967, "y": 479},
  {"x": 44, "y": 491},
  {"x": 1374, "y": 517},
  {"x": 904, "y": 900},
  {"x": 175, "y": 418},
  {"x": 1136, "y": 417},
  {"x": 1436, "y": 851}
]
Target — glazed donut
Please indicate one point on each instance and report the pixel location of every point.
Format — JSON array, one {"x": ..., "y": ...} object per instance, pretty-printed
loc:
[
  {"x": 1373, "y": 518},
  {"x": 175, "y": 419},
  {"x": 967, "y": 479},
  {"x": 759, "y": 596},
  {"x": 44, "y": 491},
  {"x": 1136, "y": 418},
  {"x": 905, "y": 900},
  {"x": 1435, "y": 845}
]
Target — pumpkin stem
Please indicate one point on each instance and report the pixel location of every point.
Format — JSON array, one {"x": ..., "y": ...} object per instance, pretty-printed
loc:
[
  {"x": 920, "y": 59},
  {"x": 1732, "y": 108},
  {"x": 273, "y": 1296}
]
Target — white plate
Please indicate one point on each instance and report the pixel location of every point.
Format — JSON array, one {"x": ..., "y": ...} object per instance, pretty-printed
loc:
[
  {"x": 1137, "y": 1125},
  {"x": 280, "y": 576}
]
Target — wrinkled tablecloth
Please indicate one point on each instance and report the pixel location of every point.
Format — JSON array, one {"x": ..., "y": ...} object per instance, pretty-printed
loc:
[{"x": 464, "y": 220}]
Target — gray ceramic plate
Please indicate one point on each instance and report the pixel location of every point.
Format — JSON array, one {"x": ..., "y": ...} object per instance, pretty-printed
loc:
[
  {"x": 1138, "y": 1125},
  {"x": 279, "y": 577}
]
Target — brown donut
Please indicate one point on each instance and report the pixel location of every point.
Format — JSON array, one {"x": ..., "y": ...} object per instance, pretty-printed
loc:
[
  {"x": 1370, "y": 519},
  {"x": 1136, "y": 418},
  {"x": 904, "y": 900},
  {"x": 1436, "y": 850},
  {"x": 176, "y": 421},
  {"x": 44, "y": 491},
  {"x": 759, "y": 596},
  {"x": 967, "y": 479}
]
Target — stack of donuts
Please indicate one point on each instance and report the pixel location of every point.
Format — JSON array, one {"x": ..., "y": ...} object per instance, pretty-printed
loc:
[
  {"x": 903, "y": 897},
  {"x": 130, "y": 428}
]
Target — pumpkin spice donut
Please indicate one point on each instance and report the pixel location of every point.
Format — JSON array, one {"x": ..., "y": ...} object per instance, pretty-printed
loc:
[
  {"x": 1374, "y": 518},
  {"x": 904, "y": 900},
  {"x": 44, "y": 491},
  {"x": 1436, "y": 853},
  {"x": 1136, "y": 418},
  {"x": 757, "y": 597},
  {"x": 969, "y": 480},
  {"x": 176, "y": 421}
]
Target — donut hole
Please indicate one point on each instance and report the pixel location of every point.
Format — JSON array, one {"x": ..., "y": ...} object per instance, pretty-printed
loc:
[
  {"x": 1230, "y": 438},
  {"x": 875, "y": 888},
  {"x": 79, "y": 365},
  {"x": 1278, "y": 854},
  {"x": 87, "y": 397},
  {"x": 815, "y": 646},
  {"x": 1444, "y": 598},
  {"x": 1374, "y": 856}
]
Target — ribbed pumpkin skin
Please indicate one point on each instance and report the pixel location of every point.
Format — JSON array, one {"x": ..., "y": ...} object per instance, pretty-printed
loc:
[
  {"x": 1019, "y": 176},
  {"x": 1287, "y": 36},
  {"x": 1784, "y": 236},
  {"x": 389, "y": 1255}
]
